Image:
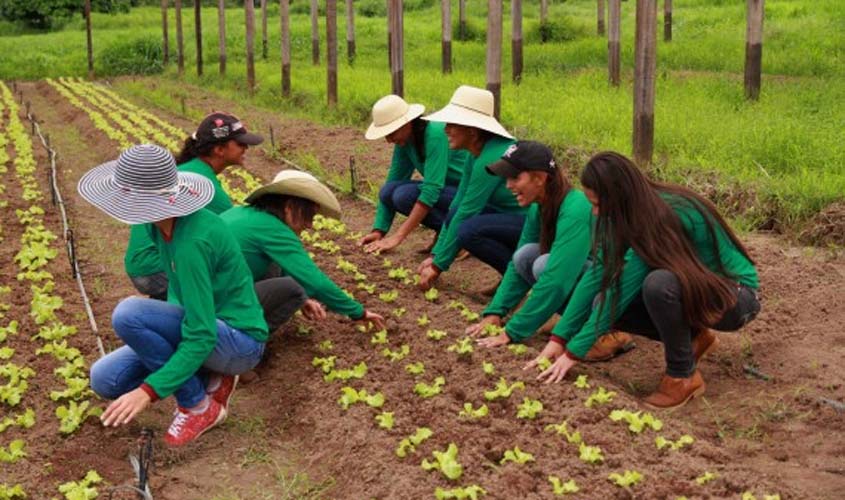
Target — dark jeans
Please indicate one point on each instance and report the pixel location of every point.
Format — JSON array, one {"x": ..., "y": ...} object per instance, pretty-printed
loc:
[
  {"x": 400, "y": 196},
  {"x": 658, "y": 314},
  {"x": 492, "y": 237},
  {"x": 280, "y": 298}
]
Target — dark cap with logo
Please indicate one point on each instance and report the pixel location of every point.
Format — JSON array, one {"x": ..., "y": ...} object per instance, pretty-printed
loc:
[
  {"x": 218, "y": 128},
  {"x": 522, "y": 157}
]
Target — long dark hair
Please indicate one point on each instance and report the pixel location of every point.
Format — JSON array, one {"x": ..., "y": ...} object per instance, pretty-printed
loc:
[
  {"x": 556, "y": 189},
  {"x": 302, "y": 210},
  {"x": 418, "y": 126},
  {"x": 632, "y": 214},
  {"x": 191, "y": 150}
]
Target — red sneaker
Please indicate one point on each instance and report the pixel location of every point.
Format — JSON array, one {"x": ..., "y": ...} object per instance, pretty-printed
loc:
[
  {"x": 187, "y": 426},
  {"x": 224, "y": 391}
]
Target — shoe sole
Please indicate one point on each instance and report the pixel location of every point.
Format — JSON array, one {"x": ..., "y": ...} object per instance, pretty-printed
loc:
[
  {"x": 232, "y": 392},
  {"x": 710, "y": 348},
  {"x": 622, "y": 350},
  {"x": 694, "y": 394},
  {"x": 220, "y": 418}
]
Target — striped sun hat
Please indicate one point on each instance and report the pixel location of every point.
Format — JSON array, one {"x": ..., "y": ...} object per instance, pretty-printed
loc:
[{"x": 143, "y": 186}]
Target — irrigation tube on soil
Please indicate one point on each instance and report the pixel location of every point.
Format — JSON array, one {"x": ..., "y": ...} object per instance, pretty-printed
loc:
[{"x": 68, "y": 232}]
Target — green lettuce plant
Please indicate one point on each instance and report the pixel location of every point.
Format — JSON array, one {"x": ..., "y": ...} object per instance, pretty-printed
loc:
[
  {"x": 385, "y": 419},
  {"x": 470, "y": 492},
  {"x": 469, "y": 412},
  {"x": 529, "y": 409},
  {"x": 600, "y": 396},
  {"x": 626, "y": 479},
  {"x": 429, "y": 390},
  {"x": 435, "y": 334},
  {"x": 562, "y": 429},
  {"x": 397, "y": 355},
  {"x": 446, "y": 462},
  {"x": 417, "y": 368},
  {"x": 661, "y": 442},
  {"x": 560, "y": 488},
  {"x": 14, "y": 452},
  {"x": 516, "y": 455},
  {"x": 636, "y": 422},
  {"x": 410, "y": 443},
  {"x": 502, "y": 389},
  {"x": 590, "y": 454},
  {"x": 462, "y": 347}
]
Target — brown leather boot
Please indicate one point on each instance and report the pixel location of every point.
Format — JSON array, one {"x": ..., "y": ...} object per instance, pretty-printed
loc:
[
  {"x": 703, "y": 343},
  {"x": 675, "y": 392},
  {"x": 609, "y": 345}
]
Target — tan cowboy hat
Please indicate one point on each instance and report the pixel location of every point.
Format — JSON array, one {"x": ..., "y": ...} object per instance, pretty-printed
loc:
[
  {"x": 303, "y": 185},
  {"x": 473, "y": 107},
  {"x": 389, "y": 113}
]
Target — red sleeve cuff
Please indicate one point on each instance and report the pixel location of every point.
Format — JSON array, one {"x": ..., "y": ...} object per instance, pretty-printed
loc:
[
  {"x": 150, "y": 392},
  {"x": 557, "y": 340}
]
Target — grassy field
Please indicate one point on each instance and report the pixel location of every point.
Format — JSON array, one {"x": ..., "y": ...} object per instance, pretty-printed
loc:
[{"x": 776, "y": 162}]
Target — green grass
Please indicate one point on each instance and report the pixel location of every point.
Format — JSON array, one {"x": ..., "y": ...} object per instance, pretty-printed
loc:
[{"x": 777, "y": 161}]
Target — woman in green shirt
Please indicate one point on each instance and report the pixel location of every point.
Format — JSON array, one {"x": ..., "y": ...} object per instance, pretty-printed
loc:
[
  {"x": 219, "y": 142},
  {"x": 667, "y": 266},
  {"x": 485, "y": 218},
  {"x": 419, "y": 146},
  {"x": 267, "y": 230}
]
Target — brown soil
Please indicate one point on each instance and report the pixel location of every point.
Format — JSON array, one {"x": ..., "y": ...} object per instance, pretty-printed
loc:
[{"x": 288, "y": 437}]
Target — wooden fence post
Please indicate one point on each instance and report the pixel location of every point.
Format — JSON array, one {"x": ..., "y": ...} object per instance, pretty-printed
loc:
[
  {"x": 397, "y": 61},
  {"x": 264, "y": 29},
  {"x": 198, "y": 33},
  {"x": 89, "y": 41},
  {"x": 180, "y": 48},
  {"x": 350, "y": 31},
  {"x": 221, "y": 34},
  {"x": 165, "y": 42},
  {"x": 462, "y": 19},
  {"x": 250, "y": 42},
  {"x": 754, "y": 49},
  {"x": 315, "y": 33},
  {"x": 645, "y": 65},
  {"x": 494, "y": 52},
  {"x": 284, "y": 21},
  {"x": 389, "y": 4},
  {"x": 446, "y": 28},
  {"x": 516, "y": 40},
  {"x": 600, "y": 9},
  {"x": 544, "y": 11},
  {"x": 614, "y": 13},
  {"x": 331, "y": 52},
  {"x": 667, "y": 20}
]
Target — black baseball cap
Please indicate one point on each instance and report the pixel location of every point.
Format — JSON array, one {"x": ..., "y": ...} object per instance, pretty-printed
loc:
[
  {"x": 522, "y": 157},
  {"x": 221, "y": 127}
]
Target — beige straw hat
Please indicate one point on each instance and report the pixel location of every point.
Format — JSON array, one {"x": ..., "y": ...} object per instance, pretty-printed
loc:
[
  {"x": 473, "y": 107},
  {"x": 389, "y": 113},
  {"x": 303, "y": 185}
]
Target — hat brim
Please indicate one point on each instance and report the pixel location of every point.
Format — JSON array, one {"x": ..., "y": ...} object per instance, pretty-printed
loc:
[
  {"x": 248, "y": 139},
  {"x": 97, "y": 186},
  {"x": 378, "y": 131},
  {"x": 303, "y": 188},
  {"x": 464, "y": 116},
  {"x": 503, "y": 168}
]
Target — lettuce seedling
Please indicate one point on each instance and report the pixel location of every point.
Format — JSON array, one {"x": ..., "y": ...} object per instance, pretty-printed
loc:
[
  {"x": 431, "y": 294},
  {"x": 661, "y": 442},
  {"x": 469, "y": 412},
  {"x": 399, "y": 312},
  {"x": 435, "y": 334},
  {"x": 410, "y": 443},
  {"x": 325, "y": 346},
  {"x": 398, "y": 355},
  {"x": 356, "y": 372},
  {"x": 10, "y": 329},
  {"x": 462, "y": 347},
  {"x": 346, "y": 266},
  {"x": 380, "y": 337},
  {"x": 706, "y": 478},
  {"x": 360, "y": 277},
  {"x": 23, "y": 420},
  {"x": 15, "y": 492},
  {"x": 590, "y": 454},
  {"x": 60, "y": 350},
  {"x": 74, "y": 368},
  {"x": 303, "y": 331},
  {"x": 470, "y": 492},
  {"x": 561, "y": 429},
  {"x": 488, "y": 368},
  {"x": 385, "y": 420},
  {"x": 491, "y": 330},
  {"x": 388, "y": 297},
  {"x": 518, "y": 349},
  {"x": 14, "y": 453},
  {"x": 371, "y": 289},
  {"x": 581, "y": 382},
  {"x": 469, "y": 315},
  {"x": 747, "y": 495},
  {"x": 81, "y": 490},
  {"x": 12, "y": 392},
  {"x": 502, "y": 389},
  {"x": 516, "y": 455},
  {"x": 77, "y": 388},
  {"x": 446, "y": 462},
  {"x": 600, "y": 396},
  {"x": 330, "y": 224},
  {"x": 627, "y": 479},
  {"x": 529, "y": 408},
  {"x": 417, "y": 368},
  {"x": 423, "y": 320},
  {"x": 328, "y": 246},
  {"x": 72, "y": 415},
  {"x": 544, "y": 364},
  {"x": 6, "y": 352},
  {"x": 325, "y": 364},
  {"x": 387, "y": 263},
  {"x": 350, "y": 396},
  {"x": 398, "y": 273},
  {"x": 427, "y": 391},
  {"x": 561, "y": 488},
  {"x": 636, "y": 423}
]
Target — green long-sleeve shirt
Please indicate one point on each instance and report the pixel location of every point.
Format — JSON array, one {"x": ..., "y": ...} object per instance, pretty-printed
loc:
[
  {"x": 580, "y": 323},
  {"x": 477, "y": 190},
  {"x": 567, "y": 256},
  {"x": 208, "y": 276},
  {"x": 441, "y": 167},
  {"x": 264, "y": 239},
  {"x": 141, "y": 258}
]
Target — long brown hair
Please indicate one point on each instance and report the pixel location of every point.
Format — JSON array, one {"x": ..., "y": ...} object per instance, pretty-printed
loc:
[
  {"x": 192, "y": 149},
  {"x": 632, "y": 214},
  {"x": 302, "y": 210},
  {"x": 556, "y": 188}
]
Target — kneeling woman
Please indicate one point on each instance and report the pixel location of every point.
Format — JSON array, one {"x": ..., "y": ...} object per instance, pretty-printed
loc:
[
  {"x": 193, "y": 350},
  {"x": 668, "y": 267},
  {"x": 267, "y": 230},
  {"x": 420, "y": 146}
]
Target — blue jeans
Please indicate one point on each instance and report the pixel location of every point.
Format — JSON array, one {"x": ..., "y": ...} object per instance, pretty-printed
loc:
[
  {"x": 528, "y": 262},
  {"x": 400, "y": 196},
  {"x": 152, "y": 330},
  {"x": 491, "y": 237}
]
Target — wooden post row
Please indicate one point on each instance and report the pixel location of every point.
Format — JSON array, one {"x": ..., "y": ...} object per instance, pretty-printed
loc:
[
  {"x": 544, "y": 11},
  {"x": 264, "y": 29},
  {"x": 494, "y": 52},
  {"x": 315, "y": 33},
  {"x": 284, "y": 22},
  {"x": 89, "y": 40},
  {"x": 462, "y": 19},
  {"x": 249, "y": 7},
  {"x": 516, "y": 40},
  {"x": 165, "y": 42},
  {"x": 614, "y": 13},
  {"x": 667, "y": 20},
  {"x": 180, "y": 48},
  {"x": 754, "y": 49},
  {"x": 645, "y": 65},
  {"x": 350, "y": 31},
  {"x": 397, "y": 52},
  {"x": 389, "y": 34},
  {"x": 198, "y": 33},
  {"x": 221, "y": 34},
  {"x": 600, "y": 9},
  {"x": 331, "y": 52},
  {"x": 446, "y": 28}
]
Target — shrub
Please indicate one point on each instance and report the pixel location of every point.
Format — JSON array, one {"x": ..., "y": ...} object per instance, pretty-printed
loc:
[
  {"x": 138, "y": 56},
  {"x": 559, "y": 29}
]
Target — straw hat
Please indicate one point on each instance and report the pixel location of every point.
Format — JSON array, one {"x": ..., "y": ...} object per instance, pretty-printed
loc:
[
  {"x": 473, "y": 107},
  {"x": 303, "y": 185},
  {"x": 143, "y": 186},
  {"x": 389, "y": 113}
]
